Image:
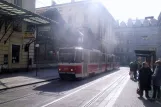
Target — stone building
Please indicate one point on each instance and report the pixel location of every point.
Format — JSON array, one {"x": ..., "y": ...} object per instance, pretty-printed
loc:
[
  {"x": 139, "y": 34},
  {"x": 92, "y": 22},
  {"x": 18, "y": 29}
]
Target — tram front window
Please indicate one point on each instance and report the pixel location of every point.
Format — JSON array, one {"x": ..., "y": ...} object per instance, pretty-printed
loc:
[
  {"x": 70, "y": 56},
  {"x": 66, "y": 55}
]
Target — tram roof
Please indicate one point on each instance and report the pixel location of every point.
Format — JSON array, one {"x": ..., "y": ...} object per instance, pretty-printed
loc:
[{"x": 71, "y": 48}]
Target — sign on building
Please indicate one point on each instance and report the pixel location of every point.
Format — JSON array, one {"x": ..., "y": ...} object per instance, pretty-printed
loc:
[{"x": 29, "y": 35}]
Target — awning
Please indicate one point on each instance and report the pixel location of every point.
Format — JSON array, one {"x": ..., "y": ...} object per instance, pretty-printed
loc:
[
  {"x": 144, "y": 53},
  {"x": 11, "y": 10}
]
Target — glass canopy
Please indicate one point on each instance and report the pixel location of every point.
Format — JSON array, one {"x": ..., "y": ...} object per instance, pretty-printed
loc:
[{"x": 11, "y": 10}]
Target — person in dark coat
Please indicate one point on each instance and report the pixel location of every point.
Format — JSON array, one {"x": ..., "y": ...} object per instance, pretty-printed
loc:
[
  {"x": 133, "y": 69},
  {"x": 144, "y": 79},
  {"x": 157, "y": 81}
]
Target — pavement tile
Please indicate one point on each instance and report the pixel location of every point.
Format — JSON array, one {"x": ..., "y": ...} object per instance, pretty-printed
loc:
[
  {"x": 129, "y": 98},
  {"x": 24, "y": 78}
]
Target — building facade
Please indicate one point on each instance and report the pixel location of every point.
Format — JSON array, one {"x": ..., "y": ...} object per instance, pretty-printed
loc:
[
  {"x": 92, "y": 22},
  {"x": 26, "y": 4},
  {"x": 17, "y": 33},
  {"x": 137, "y": 35}
]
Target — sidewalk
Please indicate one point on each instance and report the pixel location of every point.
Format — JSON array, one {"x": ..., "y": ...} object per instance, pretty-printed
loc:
[
  {"x": 8, "y": 81},
  {"x": 129, "y": 98}
]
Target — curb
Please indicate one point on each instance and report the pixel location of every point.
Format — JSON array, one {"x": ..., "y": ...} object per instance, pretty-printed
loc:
[{"x": 29, "y": 84}]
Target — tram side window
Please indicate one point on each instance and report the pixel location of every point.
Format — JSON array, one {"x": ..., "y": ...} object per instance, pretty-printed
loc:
[
  {"x": 103, "y": 58},
  {"x": 93, "y": 57},
  {"x": 96, "y": 57},
  {"x": 107, "y": 58},
  {"x": 113, "y": 59},
  {"x": 86, "y": 57},
  {"x": 78, "y": 56},
  {"x": 110, "y": 59},
  {"x": 117, "y": 59}
]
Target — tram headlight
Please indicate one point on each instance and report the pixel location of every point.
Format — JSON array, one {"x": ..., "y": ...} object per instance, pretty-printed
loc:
[
  {"x": 71, "y": 69},
  {"x": 59, "y": 69}
]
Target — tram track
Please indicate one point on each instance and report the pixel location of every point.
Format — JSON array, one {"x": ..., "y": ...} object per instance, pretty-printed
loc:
[
  {"x": 85, "y": 89},
  {"x": 80, "y": 89},
  {"x": 58, "y": 97},
  {"x": 105, "y": 92},
  {"x": 28, "y": 95}
]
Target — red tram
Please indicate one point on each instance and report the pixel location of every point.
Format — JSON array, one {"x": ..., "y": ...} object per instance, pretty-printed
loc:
[{"x": 79, "y": 63}]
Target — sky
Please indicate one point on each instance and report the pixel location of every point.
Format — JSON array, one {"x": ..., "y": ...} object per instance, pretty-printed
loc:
[{"x": 122, "y": 10}]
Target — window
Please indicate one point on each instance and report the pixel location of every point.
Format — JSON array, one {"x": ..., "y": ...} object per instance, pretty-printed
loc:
[
  {"x": 130, "y": 34},
  {"x": 117, "y": 33},
  {"x": 5, "y": 59},
  {"x": 78, "y": 56},
  {"x": 15, "y": 53},
  {"x": 18, "y": 2},
  {"x": 66, "y": 55},
  {"x": 145, "y": 37},
  {"x": 85, "y": 18},
  {"x": 103, "y": 58},
  {"x": 118, "y": 50},
  {"x": 128, "y": 41},
  {"x": 17, "y": 26},
  {"x": 121, "y": 50},
  {"x": 127, "y": 49},
  {"x": 94, "y": 57}
]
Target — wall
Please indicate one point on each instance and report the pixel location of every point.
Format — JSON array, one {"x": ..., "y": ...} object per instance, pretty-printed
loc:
[
  {"x": 17, "y": 39},
  {"x": 93, "y": 15},
  {"x": 26, "y": 4},
  {"x": 137, "y": 38},
  {"x": 29, "y": 5}
]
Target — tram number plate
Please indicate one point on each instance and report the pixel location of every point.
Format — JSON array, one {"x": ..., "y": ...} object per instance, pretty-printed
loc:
[{"x": 65, "y": 69}]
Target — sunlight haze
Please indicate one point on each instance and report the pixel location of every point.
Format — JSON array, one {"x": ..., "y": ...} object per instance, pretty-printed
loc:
[{"x": 121, "y": 9}]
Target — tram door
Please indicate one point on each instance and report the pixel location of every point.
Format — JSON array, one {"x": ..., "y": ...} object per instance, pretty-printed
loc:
[{"x": 85, "y": 62}]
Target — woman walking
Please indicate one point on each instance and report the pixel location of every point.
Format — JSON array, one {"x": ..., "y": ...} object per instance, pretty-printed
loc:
[
  {"x": 144, "y": 80},
  {"x": 157, "y": 81}
]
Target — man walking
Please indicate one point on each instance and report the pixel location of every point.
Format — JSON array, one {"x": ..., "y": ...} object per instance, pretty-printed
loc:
[{"x": 133, "y": 69}]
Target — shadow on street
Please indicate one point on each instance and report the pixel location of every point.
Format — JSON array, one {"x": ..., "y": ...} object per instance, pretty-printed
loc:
[
  {"x": 148, "y": 103},
  {"x": 60, "y": 86}
]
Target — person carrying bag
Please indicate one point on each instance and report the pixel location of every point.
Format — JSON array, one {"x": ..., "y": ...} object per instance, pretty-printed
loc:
[
  {"x": 156, "y": 81},
  {"x": 144, "y": 80}
]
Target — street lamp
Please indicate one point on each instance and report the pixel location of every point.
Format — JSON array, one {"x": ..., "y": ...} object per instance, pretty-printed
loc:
[{"x": 36, "y": 46}]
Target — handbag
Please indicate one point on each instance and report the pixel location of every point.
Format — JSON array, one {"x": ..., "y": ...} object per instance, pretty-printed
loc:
[{"x": 138, "y": 91}]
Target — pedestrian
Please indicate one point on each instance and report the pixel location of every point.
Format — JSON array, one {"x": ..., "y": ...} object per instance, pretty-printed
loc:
[
  {"x": 135, "y": 68},
  {"x": 144, "y": 80},
  {"x": 157, "y": 81},
  {"x": 139, "y": 65},
  {"x": 131, "y": 70}
]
